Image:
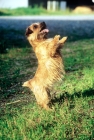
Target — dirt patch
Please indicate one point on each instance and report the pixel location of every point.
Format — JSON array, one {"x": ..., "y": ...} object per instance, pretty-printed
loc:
[{"x": 83, "y": 10}]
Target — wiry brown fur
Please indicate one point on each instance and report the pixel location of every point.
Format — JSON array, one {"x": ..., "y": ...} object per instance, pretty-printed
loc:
[{"x": 50, "y": 66}]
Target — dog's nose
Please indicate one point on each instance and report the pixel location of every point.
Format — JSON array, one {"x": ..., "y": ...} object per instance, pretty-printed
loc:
[{"x": 43, "y": 24}]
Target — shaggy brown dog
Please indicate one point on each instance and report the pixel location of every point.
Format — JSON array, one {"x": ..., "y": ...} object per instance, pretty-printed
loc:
[{"x": 50, "y": 67}]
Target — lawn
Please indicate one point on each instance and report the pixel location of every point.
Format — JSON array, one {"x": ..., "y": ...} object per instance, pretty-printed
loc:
[
  {"x": 73, "y": 115},
  {"x": 37, "y": 11}
]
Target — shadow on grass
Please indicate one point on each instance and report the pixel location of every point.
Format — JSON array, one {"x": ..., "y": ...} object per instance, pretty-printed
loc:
[
  {"x": 11, "y": 38},
  {"x": 70, "y": 99},
  {"x": 73, "y": 37},
  {"x": 15, "y": 35},
  {"x": 4, "y": 14},
  {"x": 75, "y": 29}
]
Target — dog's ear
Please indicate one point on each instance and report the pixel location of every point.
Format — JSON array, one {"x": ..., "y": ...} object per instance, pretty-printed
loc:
[{"x": 28, "y": 31}]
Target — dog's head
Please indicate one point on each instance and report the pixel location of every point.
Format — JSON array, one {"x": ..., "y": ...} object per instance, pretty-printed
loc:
[{"x": 37, "y": 31}]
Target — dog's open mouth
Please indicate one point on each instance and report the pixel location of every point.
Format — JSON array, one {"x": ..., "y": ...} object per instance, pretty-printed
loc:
[
  {"x": 44, "y": 30},
  {"x": 43, "y": 33}
]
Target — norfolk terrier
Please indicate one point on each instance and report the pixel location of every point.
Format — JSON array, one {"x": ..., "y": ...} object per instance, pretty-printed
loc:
[{"x": 50, "y": 65}]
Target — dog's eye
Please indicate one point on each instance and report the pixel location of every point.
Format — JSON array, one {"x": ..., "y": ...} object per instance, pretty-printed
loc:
[{"x": 35, "y": 26}]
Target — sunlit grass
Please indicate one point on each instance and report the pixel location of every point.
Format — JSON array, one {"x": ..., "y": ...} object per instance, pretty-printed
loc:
[
  {"x": 24, "y": 11},
  {"x": 36, "y": 10}
]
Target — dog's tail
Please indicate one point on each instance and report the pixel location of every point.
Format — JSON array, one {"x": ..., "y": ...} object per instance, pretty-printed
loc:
[{"x": 26, "y": 84}]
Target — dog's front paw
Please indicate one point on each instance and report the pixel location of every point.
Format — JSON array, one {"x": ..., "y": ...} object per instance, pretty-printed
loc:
[
  {"x": 56, "y": 38},
  {"x": 62, "y": 41}
]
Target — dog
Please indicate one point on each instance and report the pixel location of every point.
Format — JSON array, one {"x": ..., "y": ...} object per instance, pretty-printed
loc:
[{"x": 50, "y": 65}]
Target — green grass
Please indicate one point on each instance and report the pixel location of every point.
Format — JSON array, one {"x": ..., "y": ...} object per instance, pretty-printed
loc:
[
  {"x": 73, "y": 114},
  {"x": 36, "y": 11},
  {"x": 23, "y": 11}
]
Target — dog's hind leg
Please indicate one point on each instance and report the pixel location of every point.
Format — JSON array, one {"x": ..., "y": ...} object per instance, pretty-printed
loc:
[{"x": 43, "y": 97}]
